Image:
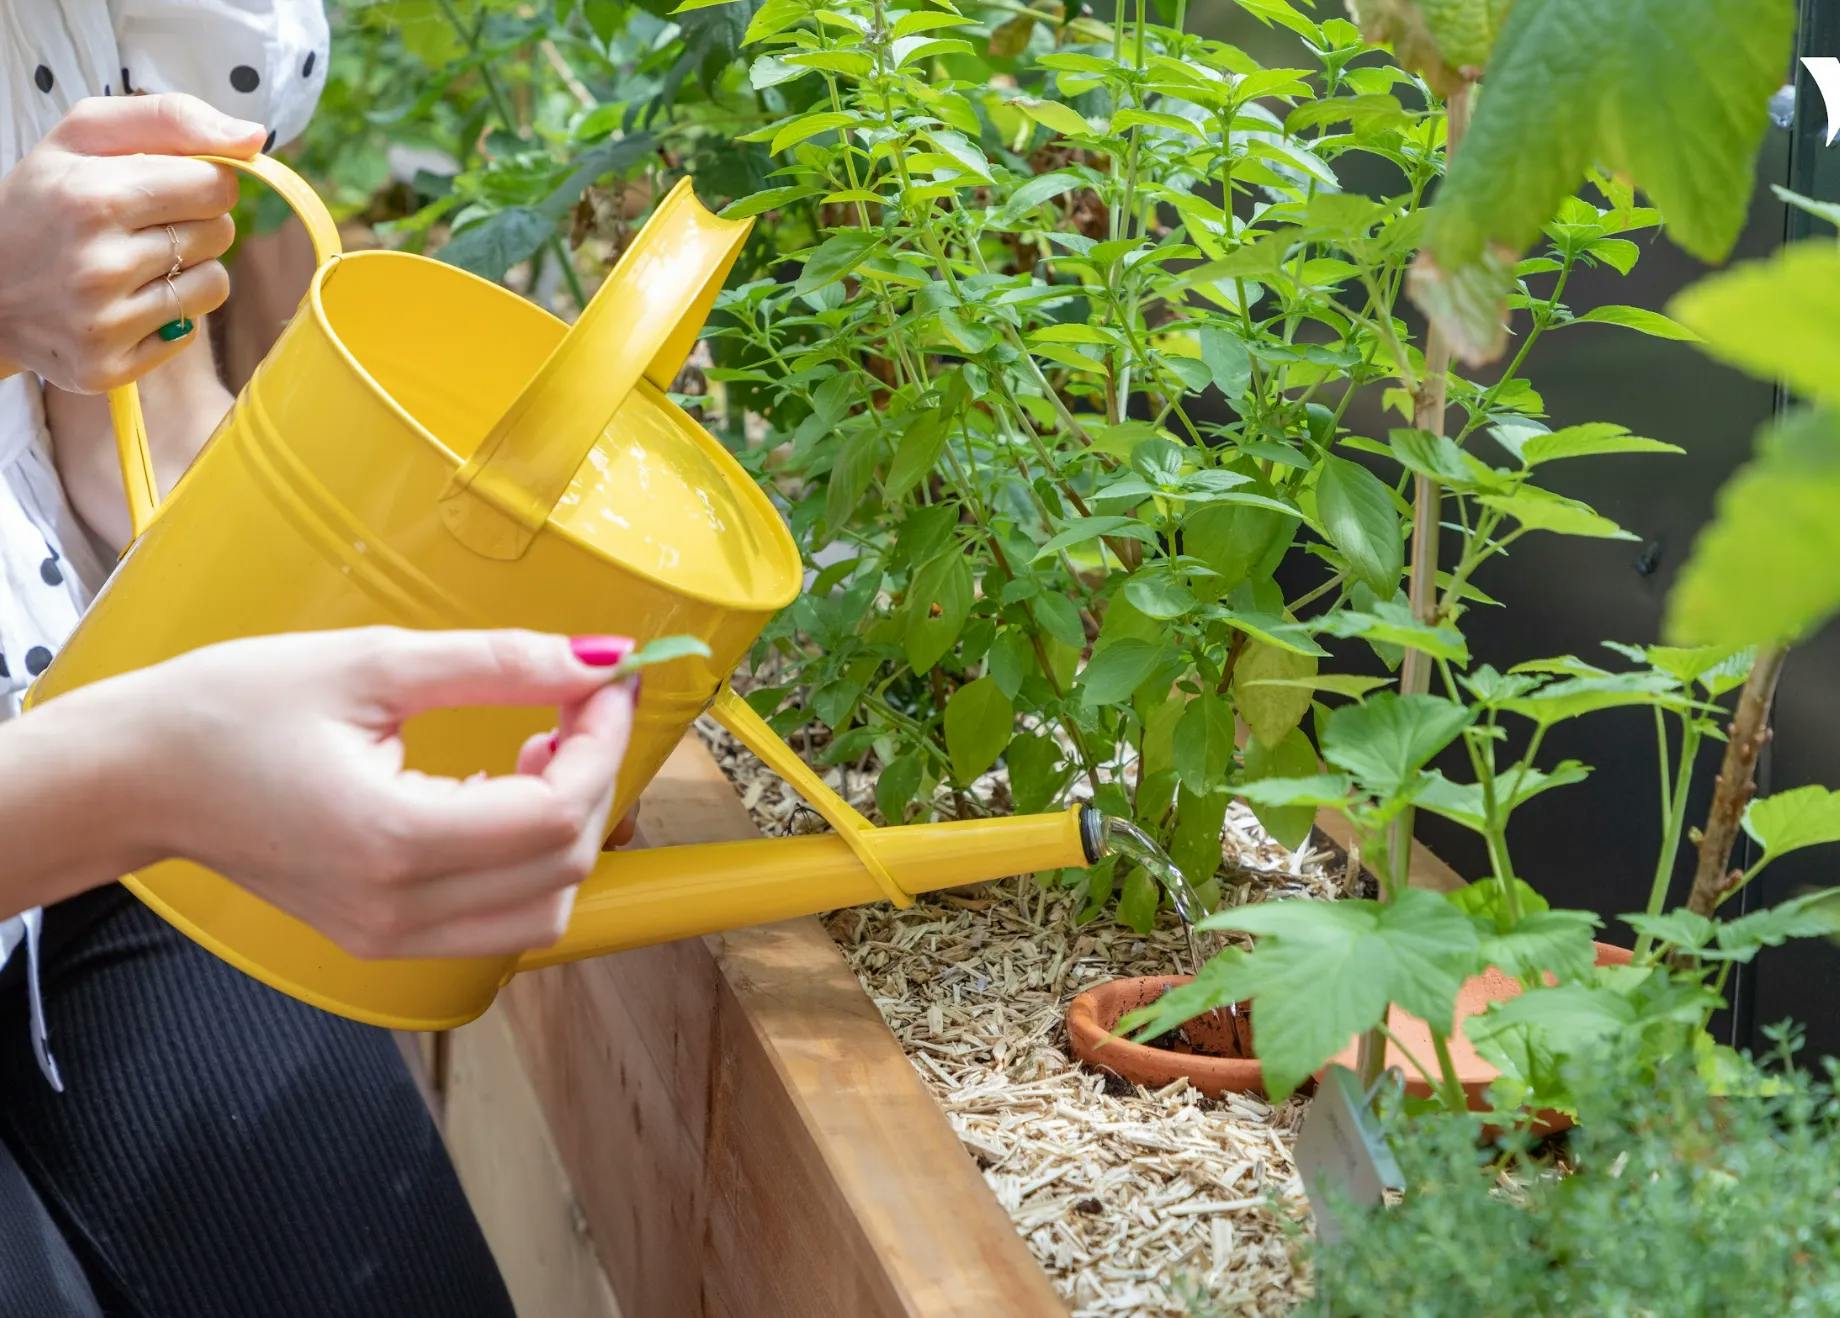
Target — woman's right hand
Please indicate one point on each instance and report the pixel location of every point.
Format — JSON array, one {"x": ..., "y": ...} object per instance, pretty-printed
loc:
[
  {"x": 278, "y": 762},
  {"x": 84, "y": 248}
]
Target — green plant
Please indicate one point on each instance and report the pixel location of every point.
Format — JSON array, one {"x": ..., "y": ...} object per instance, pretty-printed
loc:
[
  {"x": 1319, "y": 975},
  {"x": 1049, "y": 415},
  {"x": 1672, "y": 1200}
]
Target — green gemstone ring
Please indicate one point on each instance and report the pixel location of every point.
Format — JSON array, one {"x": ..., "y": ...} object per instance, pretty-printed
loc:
[{"x": 174, "y": 330}]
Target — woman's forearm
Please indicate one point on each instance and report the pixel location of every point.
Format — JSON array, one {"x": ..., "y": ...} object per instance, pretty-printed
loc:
[{"x": 69, "y": 815}]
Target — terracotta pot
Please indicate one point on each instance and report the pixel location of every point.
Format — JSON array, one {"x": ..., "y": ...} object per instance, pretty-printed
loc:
[
  {"x": 1214, "y": 1058},
  {"x": 1212, "y": 1055},
  {"x": 1476, "y": 1074}
]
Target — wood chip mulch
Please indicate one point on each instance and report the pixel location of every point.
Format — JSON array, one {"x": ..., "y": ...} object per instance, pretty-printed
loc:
[{"x": 1133, "y": 1201}]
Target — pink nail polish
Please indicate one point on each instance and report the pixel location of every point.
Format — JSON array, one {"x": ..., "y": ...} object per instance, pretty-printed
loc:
[
  {"x": 601, "y": 651},
  {"x": 555, "y": 740}
]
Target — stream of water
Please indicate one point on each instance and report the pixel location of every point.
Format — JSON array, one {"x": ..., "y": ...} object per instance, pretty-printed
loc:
[{"x": 1130, "y": 843}]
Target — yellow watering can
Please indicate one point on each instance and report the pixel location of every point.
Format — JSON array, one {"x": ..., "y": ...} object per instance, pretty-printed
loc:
[{"x": 426, "y": 449}]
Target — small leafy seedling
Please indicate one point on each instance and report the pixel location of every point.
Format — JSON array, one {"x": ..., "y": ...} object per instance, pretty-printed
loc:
[{"x": 659, "y": 651}]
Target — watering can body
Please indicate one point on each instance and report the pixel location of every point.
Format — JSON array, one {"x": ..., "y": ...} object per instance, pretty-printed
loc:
[{"x": 423, "y": 448}]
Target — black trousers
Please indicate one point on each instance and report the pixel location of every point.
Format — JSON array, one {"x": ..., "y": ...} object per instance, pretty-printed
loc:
[{"x": 220, "y": 1149}]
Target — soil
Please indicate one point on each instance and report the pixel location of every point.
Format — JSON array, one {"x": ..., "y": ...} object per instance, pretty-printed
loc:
[{"x": 1135, "y": 1201}]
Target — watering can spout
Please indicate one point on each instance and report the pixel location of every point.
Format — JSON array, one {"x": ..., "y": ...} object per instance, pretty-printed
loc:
[{"x": 638, "y": 898}]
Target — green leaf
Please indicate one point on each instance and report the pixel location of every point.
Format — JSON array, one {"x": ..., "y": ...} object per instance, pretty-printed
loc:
[
  {"x": 1042, "y": 188},
  {"x": 857, "y": 454},
  {"x": 1687, "y": 930},
  {"x": 1435, "y": 38},
  {"x": 1117, "y": 670},
  {"x": 761, "y": 202},
  {"x": 1196, "y": 846},
  {"x": 897, "y": 785},
  {"x": 1341, "y": 684},
  {"x": 1592, "y": 439},
  {"x": 927, "y": 20},
  {"x": 1322, "y": 972},
  {"x": 1823, "y": 210},
  {"x": 1433, "y": 456},
  {"x": 1463, "y": 803},
  {"x": 1220, "y": 983},
  {"x": 1763, "y": 571},
  {"x": 1292, "y": 758},
  {"x": 1390, "y": 622},
  {"x": 1036, "y": 771},
  {"x": 1558, "y": 943},
  {"x": 1157, "y": 594},
  {"x": 1315, "y": 790},
  {"x": 1388, "y": 738},
  {"x": 1774, "y": 318},
  {"x": 1086, "y": 529},
  {"x": 1132, "y": 117},
  {"x": 1578, "y": 696},
  {"x": 661, "y": 650},
  {"x": 938, "y": 602},
  {"x": 1359, "y": 518},
  {"x": 1652, "y": 323},
  {"x": 836, "y": 257},
  {"x": 1576, "y": 83},
  {"x": 1055, "y": 116},
  {"x": 807, "y": 126},
  {"x": 1138, "y": 900},
  {"x": 1788, "y": 821},
  {"x": 1542, "y": 510},
  {"x": 924, "y": 440},
  {"x": 1272, "y": 711},
  {"x": 498, "y": 242},
  {"x": 1809, "y": 915},
  {"x": 979, "y": 719},
  {"x": 1228, "y": 362},
  {"x": 1236, "y": 542},
  {"x": 1203, "y": 744}
]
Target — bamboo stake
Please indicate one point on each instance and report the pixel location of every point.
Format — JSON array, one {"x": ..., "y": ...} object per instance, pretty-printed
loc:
[{"x": 1415, "y": 671}]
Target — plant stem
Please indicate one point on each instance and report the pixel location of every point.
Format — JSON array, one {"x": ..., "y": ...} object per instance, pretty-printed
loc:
[
  {"x": 1415, "y": 671},
  {"x": 1736, "y": 784},
  {"x": 1674, "y": 797},
  {"x": 1454, "y": 1097}
]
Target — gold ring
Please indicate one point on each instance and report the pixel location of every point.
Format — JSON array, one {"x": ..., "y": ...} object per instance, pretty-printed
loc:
[
  {"x": 178, "y": 265},
  {"x": 174, "y": 330}
]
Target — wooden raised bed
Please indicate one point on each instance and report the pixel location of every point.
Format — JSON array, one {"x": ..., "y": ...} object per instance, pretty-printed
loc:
[{"x": 741, "y": 1133}]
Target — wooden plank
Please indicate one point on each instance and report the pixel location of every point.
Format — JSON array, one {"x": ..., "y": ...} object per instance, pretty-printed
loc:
[
  {"x": 744, "y": 1134},
  {"x": 500, "y": 1144}
]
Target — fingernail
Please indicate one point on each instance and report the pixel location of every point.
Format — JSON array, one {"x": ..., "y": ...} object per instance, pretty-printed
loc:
[
  {"x": 601, "y": 651},
  {"x": 555, "y": 740}
]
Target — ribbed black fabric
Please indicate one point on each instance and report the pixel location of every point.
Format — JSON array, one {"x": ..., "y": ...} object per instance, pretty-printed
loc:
[
  {"x": 222, "y": 1149},
  {"x": 38, "y": 1273}
]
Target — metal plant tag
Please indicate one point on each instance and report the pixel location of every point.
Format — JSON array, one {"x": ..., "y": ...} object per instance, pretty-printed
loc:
[{"x": 1341, "y": 1154}]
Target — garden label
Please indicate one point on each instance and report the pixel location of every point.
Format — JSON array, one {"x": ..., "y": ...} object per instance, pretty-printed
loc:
[{"x": 1341, "y": 1154}]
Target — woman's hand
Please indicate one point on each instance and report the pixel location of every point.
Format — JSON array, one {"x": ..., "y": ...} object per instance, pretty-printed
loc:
[
  {"x": 84, "y": 248},
  {"x": 278, "y": 762}
]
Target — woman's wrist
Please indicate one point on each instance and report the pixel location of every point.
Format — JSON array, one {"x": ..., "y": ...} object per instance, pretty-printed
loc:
[{"x": 75, "y": 815}]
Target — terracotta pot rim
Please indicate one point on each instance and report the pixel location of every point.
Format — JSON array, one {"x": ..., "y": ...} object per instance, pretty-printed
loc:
[{"x": 1092, "y": 1014}]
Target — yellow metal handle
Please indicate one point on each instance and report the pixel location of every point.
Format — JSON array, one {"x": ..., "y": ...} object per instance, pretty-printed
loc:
[
  {"x": 641, "y": 324},
  {"x": 137, "y": 477},
  {"x": 736, "y": 715}
]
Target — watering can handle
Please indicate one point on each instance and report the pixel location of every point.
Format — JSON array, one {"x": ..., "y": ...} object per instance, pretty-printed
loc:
[
  {"x": 137, "y": 478},
  {"x": 747, "y": 727},
  {"x": 640, "y": 325}
]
